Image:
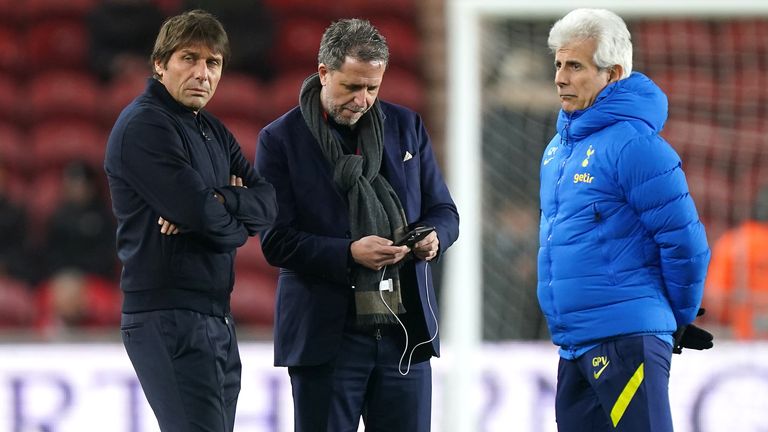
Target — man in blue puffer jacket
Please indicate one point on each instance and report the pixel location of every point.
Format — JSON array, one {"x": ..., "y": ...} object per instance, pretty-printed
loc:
[{"x": 623, "y": 254}]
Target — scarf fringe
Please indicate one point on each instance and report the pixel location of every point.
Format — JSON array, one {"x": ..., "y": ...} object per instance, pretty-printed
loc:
[{"x": 369, "y": 320}]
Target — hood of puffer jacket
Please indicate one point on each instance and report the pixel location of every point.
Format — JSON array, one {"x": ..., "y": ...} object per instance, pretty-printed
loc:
[{"x": 633, "y": 99}]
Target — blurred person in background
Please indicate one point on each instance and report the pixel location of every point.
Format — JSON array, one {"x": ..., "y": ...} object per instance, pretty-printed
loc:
[
  {"x": 511, "y": 271},
  {"x": 77, "y": 289},
  {"x": 623, "y": 255},
  {"x": 80, "y": 232},
  {"x": 185, "y": 199},
  {"x": 71, "y": 302},
  {"x": 13, "y": 231},
  {"x": 251, "y": 29},
  {"x": 120, "y": 34},
  {"x": 737, "y": 282},
  {"x": 17, "y": 307},
  {"x": 351, "y": 172}
]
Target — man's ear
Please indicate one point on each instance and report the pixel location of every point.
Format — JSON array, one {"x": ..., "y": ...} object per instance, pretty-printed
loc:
[
  {"x": 615, "y": 73},
  {"x": 322, "y": 71},
  {"x": 158, "y": 68}
]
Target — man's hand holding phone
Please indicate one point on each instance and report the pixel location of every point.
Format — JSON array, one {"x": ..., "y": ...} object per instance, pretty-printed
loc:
[
  {"x": 423, "y": 242},
  {"x": 375, "y": 252}
]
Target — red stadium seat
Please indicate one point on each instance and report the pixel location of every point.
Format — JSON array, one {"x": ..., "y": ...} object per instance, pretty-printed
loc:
[
  {"x": 712, "y": 191},
  {"x": 250, "y": 258},
  {"x": 238, "y": 95},
  {"x": 14, "y": 163},
  {"x": 748, "y": 143},
  {"x": 744, "y": 92},
  {"x": 284, "y": 91},
  {"x": 64, "y": 94},
  {"x": 253, "y": 299},
  {"x": 700, "y": 142},
  {"x": 170, "y": 7},
  {"x": 297, "y": 43},
  {"x": 118, "y": 95},
  {"x": 10, "y": 12},
  {"x": 17, "y": 304},
  {"x": 14, "y": 153},
  {"x": 33, "y": 10},
  {"x": 289, "y": 8},
  {"x": 380, "y": 8},
  {"x": 246, "y": 132},
  {"x": 741, "y": 38},
  {"x": 343, "y": 8},
  {"x": 54, "y": 143},
  {"x": 11, "y": 49},
  {"x": 673, "y": 39},
  {"x": 403, "y": 40},
  {"x": 10, "y": 109},
  {"x": 57, "y": 43},
  {"x": 403, "y": 87},
  {"x": 688, "y": 87}
]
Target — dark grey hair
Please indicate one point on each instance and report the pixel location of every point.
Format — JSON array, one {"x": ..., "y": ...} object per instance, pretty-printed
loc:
[
  {"x": 355, "y": 38},
  {"x": 190, "y": 28},
  {"x": 614, "y": 45}
]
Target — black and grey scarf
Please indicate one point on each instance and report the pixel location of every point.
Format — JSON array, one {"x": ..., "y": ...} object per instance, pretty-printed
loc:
[{"x": 374, "y": 208}]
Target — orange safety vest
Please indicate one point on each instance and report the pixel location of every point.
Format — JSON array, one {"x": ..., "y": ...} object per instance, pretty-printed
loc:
[{"x": 736, "y": 292}]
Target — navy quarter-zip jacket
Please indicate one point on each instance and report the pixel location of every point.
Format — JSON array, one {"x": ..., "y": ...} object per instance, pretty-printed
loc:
[{"x": 163, "y": 160}]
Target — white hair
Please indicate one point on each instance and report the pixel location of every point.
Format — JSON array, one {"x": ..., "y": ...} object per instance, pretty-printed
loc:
[{"x": 614, "y": 45}]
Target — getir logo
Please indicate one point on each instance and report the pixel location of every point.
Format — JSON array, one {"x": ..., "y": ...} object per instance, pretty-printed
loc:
[{"x": 583, "y": 178}]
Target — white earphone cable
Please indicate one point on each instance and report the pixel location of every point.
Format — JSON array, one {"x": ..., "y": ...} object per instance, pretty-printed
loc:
[{"x": 405, "y": 331}]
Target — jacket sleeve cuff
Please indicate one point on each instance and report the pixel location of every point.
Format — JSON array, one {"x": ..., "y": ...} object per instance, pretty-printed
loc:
[{"x": 231, "y": 200}]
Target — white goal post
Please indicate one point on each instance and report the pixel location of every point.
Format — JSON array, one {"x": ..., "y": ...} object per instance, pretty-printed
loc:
[{"x": 463, "y": 271}]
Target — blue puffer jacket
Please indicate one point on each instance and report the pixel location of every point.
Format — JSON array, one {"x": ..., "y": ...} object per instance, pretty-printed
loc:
[{"x": 622, "y": 250}]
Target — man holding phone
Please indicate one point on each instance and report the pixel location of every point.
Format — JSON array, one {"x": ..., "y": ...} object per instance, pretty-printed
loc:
[
  {"x": 353, "y": 175},
  {"x": 414, "y": 236}
]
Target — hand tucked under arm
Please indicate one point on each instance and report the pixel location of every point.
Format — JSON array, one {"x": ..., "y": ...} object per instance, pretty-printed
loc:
[
  {"x": 166, "y": 227},
  {"x": 169, "y": 228},
  {"x": 255, "y": 207}
]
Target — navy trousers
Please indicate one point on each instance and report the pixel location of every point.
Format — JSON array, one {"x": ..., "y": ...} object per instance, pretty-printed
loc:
[
  {"x": 620, "y": 385},
  {"x": 364, "y": 382},
  {"x": 188, "y": 365}
]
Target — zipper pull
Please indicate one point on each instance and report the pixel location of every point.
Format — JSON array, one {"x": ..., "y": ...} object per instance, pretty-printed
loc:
[{"x": 199, "y": 124}]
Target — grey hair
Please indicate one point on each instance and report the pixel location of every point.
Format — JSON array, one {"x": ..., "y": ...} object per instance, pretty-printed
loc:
[
  {"x": 355, "y": 38},
  {"x": 614, "y": 44}
]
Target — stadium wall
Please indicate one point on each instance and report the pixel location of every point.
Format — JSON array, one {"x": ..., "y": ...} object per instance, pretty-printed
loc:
[{"x": 92, "y": 387}]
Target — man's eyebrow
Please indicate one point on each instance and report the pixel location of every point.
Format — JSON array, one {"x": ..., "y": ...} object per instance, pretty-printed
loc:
[{"x": 199, "y": 52}]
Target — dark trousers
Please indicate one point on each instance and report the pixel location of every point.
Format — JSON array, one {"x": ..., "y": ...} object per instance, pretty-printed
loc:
[
  {"x": 621, "y": 385},
  {"x": 188, "y": 365},
  {"x": 364, "y": 381}
]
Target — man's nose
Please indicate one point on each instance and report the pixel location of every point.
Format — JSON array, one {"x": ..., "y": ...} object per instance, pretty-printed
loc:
[
  {"x": 360, "y": 98},
  {"x": 561, "y": 77},
  {"x": 200, "y": 70}
]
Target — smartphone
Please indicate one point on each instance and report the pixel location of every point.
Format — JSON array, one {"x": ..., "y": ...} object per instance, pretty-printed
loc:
[{"x": 413, "y": 236}]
